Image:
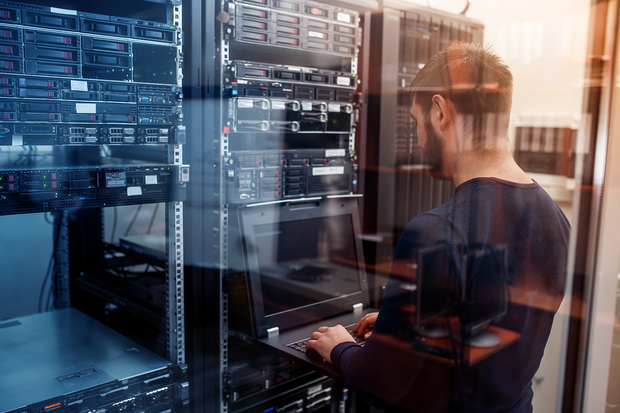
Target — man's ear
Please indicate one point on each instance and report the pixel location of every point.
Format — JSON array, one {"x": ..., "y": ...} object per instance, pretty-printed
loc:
[{"x": 443, "y": 111}]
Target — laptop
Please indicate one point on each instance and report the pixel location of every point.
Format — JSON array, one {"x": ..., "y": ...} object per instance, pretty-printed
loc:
[{"x": 304, "y": 269}]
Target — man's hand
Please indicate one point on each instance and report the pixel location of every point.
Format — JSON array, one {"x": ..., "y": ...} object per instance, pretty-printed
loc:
[
  {"x": 366, "y": 323},
  {"x": 326, "y": 338}
]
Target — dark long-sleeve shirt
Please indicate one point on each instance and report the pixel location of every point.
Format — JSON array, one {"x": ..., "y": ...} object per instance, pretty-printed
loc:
[{"x": 527, "y": 234}]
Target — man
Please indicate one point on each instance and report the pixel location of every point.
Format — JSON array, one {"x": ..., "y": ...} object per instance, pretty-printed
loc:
[{"x": 500, "y": 229}]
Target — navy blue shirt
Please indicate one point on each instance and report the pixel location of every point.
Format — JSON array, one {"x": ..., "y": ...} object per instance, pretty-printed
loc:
[{"x": 527, "y": 233}]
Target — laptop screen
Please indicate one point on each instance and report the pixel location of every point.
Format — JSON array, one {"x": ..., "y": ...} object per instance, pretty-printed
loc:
[{"x": 304, "y": 262}]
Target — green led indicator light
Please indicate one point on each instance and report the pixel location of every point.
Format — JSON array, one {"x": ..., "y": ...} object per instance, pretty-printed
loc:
[
  {"x": 172, "y": 27},
  {"x": 44, "y": 176},
  {"x": 45, "y": 185},
  {"x": 253, "y": 184},
  {"x": 353, "y": 75},
  {"x": 184, "y": 371}
]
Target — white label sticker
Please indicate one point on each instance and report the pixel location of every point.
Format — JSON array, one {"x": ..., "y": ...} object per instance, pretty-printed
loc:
[
  {"x": 329, "y": 153},
  {"x": 245, "y": 103},
  {"x": 343, "y": 81},
  {"x": 315, "y": 389},
  {"x": 150, "y": 179},
  {"x": 278, "y": 105},
  {"x": 134, "y": 190},
  {"x": 79, "y": 85},
  {"x": 343, "y": 17},
  {"x": 63, "y": 11},
  {"x": 17, "y": 140},
  {"x": 306, "y": 105},
  {"x": 318, "y": 35},
  {"x": 330, "y": 170},
  {"x": 333, "y": 107},
  {"x": 85, "y": 108}
]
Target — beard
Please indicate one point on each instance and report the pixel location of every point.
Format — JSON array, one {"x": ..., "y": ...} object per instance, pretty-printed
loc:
[{"x": 433, "y": 150}]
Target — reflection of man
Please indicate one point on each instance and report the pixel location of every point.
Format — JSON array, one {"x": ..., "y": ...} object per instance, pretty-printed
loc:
[{"x": 461, "y": 104}]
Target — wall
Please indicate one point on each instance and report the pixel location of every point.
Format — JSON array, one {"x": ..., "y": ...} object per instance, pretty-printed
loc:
[{"x": 26, "y": 250}]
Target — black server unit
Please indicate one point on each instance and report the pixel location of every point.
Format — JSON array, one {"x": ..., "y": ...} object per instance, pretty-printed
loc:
[
  {"x": 396, "y": 179},
  {"x": 92, "y": 118},
  {"x": 290, "y": 107}
]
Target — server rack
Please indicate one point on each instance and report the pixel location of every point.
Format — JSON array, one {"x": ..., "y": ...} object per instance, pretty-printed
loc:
[
  {"x": 395, "y": 175},
  {"x": 285, "y": 97},
  {"x": 92, "y": 117}
]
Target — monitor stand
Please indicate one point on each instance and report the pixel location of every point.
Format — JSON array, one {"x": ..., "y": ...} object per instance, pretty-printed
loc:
[
  {"x": 483, "y": 339},
  {"x": 434, "y": 330}
]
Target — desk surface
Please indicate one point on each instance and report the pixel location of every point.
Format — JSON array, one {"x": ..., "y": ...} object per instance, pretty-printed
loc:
[{"x": 477, "y": 354}]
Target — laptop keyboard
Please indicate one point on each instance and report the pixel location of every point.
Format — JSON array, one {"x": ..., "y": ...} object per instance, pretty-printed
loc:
[{"x": 301, "y": 344}]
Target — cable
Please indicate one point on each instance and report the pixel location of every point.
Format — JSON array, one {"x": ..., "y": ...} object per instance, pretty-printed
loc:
[
  {"x": 148, "y": 231},
  {"x": 114, "y": 222},
  {"x": 133, "y": 220},
  {"x": 49, "y": 266},
  {"x": 466, "y": 7}
]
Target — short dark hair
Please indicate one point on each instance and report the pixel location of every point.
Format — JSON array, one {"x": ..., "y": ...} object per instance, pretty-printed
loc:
[{"x": 472, "y": 77}]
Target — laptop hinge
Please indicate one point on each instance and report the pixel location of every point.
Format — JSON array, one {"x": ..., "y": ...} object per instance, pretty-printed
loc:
[
  {"x": 358, "y": 307},
  {"x": 273, "y": 331}
]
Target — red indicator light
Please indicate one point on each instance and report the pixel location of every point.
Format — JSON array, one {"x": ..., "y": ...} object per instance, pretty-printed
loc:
[
  {"x": 324, "y": 25},
  {"x": 262, "y": 37},
  {"x": 68, "y": 55},
  {"x": 68, "y": 70},
  {"x": 52, "y": 405},
  {"x": 54, "y": 176},
  {"x": 120, "y": 47},
  {"x": 263, "y": 14},
  {"x": 226, "y": 129},
  {"x": 54, "y": 184},
  {"x": 7, "y": 116},
  {"x": 295, "y": 42},
  {"x": 11, "y": 178},
  {"x": 263, "y": 72},
  {"x": 296, "y": 20},
  {"x": 8, "y": 49},
  {"x": 257, "y": 163},
  {"x": 11, "y": 187},
  {"x": 5, "y": 14},
  {"x": 315, "y": 11},
  {"x": 5, "y": 81},
  {"x": 51, "y": 94},
  {"x": 67, "y": 40},
  {"x": 277, "y": 186},
  {"x": 278, "y": 193},
  {"x": 50, "y": 84},
  {"x": 277, "y": 179},
  {"x": 93, "y": 118},
  {"x": 262, "y": 26},
  {"x": 8, "y": 65},
  {"x": 52, "y": 117}
]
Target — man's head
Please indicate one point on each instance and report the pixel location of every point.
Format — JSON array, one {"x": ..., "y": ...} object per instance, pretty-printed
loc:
[{"x": 474, "y": 86}]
